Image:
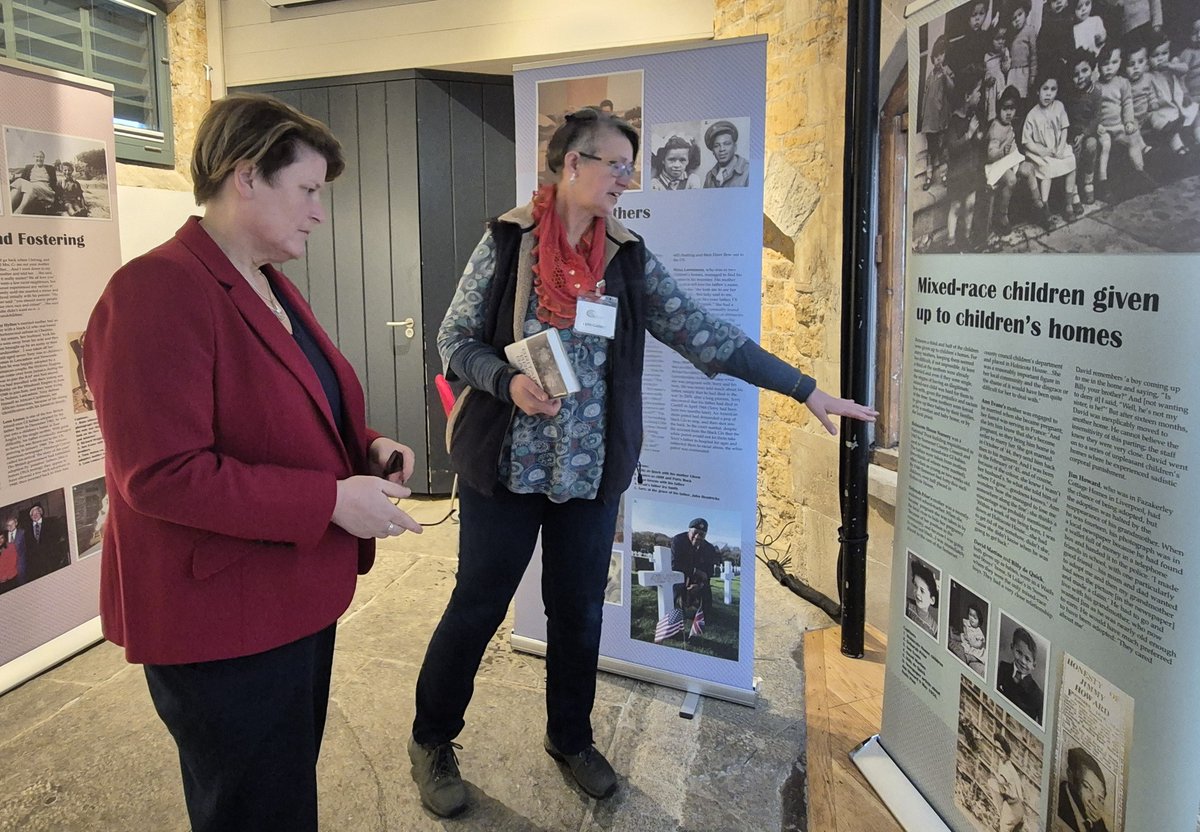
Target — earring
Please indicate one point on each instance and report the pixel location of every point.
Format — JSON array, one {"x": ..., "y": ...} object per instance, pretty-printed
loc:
[{"x": 573, "y": 177}]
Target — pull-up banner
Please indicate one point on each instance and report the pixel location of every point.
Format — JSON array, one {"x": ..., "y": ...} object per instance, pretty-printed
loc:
[
  {"x": 1043, "y": 665},
  {"x": 679, "y": 607},
  {"x": 58, "y": 246}
]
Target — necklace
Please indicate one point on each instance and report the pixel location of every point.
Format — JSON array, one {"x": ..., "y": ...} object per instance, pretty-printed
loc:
[{"x": 272, "y": 303}]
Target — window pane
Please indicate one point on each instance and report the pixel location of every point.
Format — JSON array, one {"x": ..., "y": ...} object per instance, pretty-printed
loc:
[
  {"x": 123, "y": 54},
  {"x": 50, "y": 54},
  {"x": 119, "y": 42},
  {"x": 49, "y": 33}
]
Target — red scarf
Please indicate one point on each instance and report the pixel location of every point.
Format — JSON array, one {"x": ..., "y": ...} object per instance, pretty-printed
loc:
[{"x": 562, "y": 272}]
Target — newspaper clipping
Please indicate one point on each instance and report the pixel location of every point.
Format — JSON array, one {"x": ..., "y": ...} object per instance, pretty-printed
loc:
[{"x": 1091, "y": 756}]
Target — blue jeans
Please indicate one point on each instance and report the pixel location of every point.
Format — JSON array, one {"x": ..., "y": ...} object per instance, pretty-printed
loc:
[{"x": 496, "y": 541}]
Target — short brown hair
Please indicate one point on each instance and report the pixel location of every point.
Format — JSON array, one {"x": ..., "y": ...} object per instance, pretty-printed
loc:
[
  {"x": 258, "y": 129},
  {"x": 580, "y": 130}
]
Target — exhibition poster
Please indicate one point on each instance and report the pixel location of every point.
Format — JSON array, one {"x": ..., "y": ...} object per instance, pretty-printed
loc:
[
  {"x": 58, "y": 246},
  {"x": 680, "y": 600},
  {"x": 1040, "y": 673}
]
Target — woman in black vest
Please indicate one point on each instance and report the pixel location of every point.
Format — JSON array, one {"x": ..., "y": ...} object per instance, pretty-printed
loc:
[{"x": 528, "y": 462}]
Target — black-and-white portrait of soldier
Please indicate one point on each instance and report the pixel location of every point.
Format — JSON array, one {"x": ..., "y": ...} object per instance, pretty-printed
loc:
[{"x": 729, "y": 167}]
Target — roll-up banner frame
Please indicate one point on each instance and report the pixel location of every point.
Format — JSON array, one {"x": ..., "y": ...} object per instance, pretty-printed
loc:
[{"x": 699, "y": 453}]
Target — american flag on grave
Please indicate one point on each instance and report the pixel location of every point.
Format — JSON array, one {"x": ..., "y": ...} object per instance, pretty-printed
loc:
[
  {"x": 698, "y": 623},
  {"x": 669, "y": 625}
]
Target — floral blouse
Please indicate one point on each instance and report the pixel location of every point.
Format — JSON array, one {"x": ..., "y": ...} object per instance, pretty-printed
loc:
[{"x": 562, "y": 456}]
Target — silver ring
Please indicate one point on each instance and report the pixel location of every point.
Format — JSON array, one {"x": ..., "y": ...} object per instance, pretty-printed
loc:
[{"x": 391, "y": 528}]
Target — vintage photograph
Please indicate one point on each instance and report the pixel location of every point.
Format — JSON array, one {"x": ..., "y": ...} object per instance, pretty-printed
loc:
[
  {"x": 1083, "y": 800},
  {"x": 1092, "y": 740},
  {"x": 619, "y": 93},
  {"x": 1057, "y": 126},
  {"x": 90, "y": 500},
  {"x": 1022, "y": 659},
  {"x": 968, "y": 628},
  {"x": 34, "y": 542},
  {"x": 81, "y": 394},
  {"x": 619, "y": 530},
  {"x": 614, "y": 590},
  {"x": 922, "y": 593},
  {"x": 997, "y": 766},
  {"x": 690, "y": 155},
  {"x": 685, "y": 581},
  {"x": 53, "y": 175}
]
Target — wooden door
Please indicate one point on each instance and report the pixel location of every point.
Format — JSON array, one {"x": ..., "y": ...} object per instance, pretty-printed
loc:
[{"x": 429, "y": 158}]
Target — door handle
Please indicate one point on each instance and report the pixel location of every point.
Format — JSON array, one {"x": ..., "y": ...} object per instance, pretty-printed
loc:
[{"x": 409, "y": 326}]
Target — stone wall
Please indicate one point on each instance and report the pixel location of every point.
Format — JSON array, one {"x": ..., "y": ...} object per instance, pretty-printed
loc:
[
  {"x": 188, "y": 48},
  {"x": 801, "y": 261},
  {"x": 802, "y": 250}
]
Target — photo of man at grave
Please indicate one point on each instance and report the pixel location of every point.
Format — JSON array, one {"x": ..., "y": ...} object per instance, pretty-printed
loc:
[{"x": 685, "y": 582}]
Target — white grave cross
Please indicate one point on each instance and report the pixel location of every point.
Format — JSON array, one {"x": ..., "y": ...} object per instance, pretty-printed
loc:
[
  {"x": 727, "y": 575},
  {"x": 662, "y": 578}
]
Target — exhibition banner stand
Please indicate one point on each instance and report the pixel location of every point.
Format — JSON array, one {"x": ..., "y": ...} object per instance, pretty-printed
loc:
[
  {"x": 699, "y": 453},
  {"x": 58, "y": 246},
  {"x": 1041, "y": 664}
]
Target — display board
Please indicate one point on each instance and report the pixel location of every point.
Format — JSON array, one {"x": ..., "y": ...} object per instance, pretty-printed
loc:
[
  {"x": 58, "y": 246},
  {"x": 1040, "y": 671},
  {"x": 697, "y": 200}
]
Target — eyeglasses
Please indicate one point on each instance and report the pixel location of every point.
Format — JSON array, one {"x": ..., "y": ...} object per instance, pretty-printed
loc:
[{"x": 619, "y": 169}]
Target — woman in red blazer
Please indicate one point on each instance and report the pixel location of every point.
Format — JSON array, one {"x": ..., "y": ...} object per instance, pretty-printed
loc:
[{"x": 245, "y": 488}]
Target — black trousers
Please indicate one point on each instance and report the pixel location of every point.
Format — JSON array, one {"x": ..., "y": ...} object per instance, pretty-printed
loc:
[
  {"x": 496, "y": 539},
  {"x": 249, "y": 732}
]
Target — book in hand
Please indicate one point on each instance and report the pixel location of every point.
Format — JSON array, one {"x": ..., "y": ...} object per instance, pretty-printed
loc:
[{"x": 542, "y": 358}]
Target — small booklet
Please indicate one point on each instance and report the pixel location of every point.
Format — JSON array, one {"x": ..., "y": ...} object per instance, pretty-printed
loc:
[{"x": 542, "y": 358}]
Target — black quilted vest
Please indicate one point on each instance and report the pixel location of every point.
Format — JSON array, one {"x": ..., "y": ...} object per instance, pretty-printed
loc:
[{"x": 482, "y": 421}]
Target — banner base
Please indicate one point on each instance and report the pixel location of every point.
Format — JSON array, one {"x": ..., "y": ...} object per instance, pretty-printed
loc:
[
  {"x": 907, "y": 805},
  {"x": 701, "y": 687},
  {"x": 26, "y": 666}
]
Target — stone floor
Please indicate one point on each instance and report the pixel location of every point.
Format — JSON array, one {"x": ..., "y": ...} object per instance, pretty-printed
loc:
[{"x": 82, "y": 749}]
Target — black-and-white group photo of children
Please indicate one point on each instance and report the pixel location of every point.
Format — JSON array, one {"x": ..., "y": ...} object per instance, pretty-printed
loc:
[{"x": 1058, "y": 125}]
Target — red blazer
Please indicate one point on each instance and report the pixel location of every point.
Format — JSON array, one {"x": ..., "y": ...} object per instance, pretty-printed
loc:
[{"x": 222, "y": 461}]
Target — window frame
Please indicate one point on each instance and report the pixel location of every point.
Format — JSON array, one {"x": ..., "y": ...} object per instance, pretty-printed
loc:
[
  {"x": 890, "y": 259},
  {"x": 132, "y": 144}
]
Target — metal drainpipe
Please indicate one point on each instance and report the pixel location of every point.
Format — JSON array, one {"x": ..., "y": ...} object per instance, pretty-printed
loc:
[{"x": 859, "y": 229}]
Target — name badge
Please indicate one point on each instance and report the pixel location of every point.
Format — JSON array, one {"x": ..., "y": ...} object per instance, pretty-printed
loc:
[{"x": 596, "y": 315}]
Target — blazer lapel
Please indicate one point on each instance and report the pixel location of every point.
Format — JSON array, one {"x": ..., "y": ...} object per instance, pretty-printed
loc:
[{"x": 261, "y": 320}]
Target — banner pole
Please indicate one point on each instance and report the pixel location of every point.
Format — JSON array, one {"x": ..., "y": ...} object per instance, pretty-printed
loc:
[{"x": 859, "y": 223}]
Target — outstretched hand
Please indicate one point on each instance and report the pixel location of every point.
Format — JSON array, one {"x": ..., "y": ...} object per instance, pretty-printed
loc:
[{"x": 825, "y": 406}]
